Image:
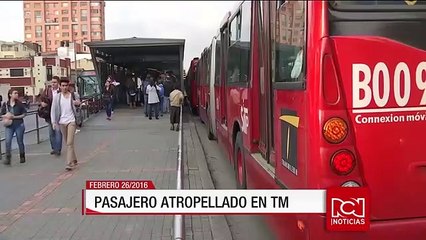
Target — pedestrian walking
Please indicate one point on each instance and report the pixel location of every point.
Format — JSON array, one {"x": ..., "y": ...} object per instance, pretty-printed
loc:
[
  {"x": 168, "y": 88},
  {"x": 55, "y": 135},
  {"x": 108, "y": 95},
  {"x": 145, "y": 94},
  {"x": 63, "y": 115},
  {"x": 161, "y": 96},
  {"x": 153, "y": 99},
  {"x": 176, "y": 101},
  {"x": 132, "y": 91},
  {"x": 13, "y": 112},
  {"x": 139, "y": 96},
  {"x": 116, "y": 89}
]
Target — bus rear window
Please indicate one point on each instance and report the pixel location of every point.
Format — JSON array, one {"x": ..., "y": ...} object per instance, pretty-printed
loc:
[{"x": 379, "y": 5}]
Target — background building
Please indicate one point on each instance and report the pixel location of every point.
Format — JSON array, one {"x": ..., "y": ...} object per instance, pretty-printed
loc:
[
  {"x": 291, "y": 24},
  {"x": 18, "y": 49},
  {"x": 79, "y": 61},
  {"x": 30, "y": 75},
  {"x": 49, "y": 23}
]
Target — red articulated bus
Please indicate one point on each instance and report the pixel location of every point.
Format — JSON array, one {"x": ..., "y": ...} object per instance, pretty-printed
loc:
[
  {"x": 203, "y": 84},
  {"x": 192, "y": 85},
  {"x": 316, "y": 94}
]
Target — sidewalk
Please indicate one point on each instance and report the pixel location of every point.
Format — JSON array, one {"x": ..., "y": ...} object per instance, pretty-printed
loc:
[{"x": 40, "y": 200}]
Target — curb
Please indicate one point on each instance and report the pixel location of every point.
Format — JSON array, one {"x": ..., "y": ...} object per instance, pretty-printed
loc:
[{"x": 219, "y": 224}]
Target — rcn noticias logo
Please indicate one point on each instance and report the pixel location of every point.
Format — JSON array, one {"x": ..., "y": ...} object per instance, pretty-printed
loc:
[{"x": 348, "y": 209}]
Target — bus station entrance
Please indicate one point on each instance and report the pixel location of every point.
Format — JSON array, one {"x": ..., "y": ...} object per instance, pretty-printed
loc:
[{"x": 120, "y": 58}]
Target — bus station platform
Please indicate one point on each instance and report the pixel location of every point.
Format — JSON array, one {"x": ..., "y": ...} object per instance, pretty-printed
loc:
[{"x": 40, "y": 200}]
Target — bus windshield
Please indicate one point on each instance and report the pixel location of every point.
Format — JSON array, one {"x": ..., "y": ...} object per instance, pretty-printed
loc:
[{"x": 379, "y": 5}]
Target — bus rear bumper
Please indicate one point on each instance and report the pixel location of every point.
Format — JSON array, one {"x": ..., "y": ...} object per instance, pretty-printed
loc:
[{"x": 413, "y": 229}]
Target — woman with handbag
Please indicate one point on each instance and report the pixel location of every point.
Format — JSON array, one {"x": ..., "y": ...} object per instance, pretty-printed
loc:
[
  {"x": 13, "y": 113},
  {"x": 108, "y": 95}
]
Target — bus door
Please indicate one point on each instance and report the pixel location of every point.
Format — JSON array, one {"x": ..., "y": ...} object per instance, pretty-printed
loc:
[
  {"x": 265, "y": 93},
  {"x": 212, "y": 93},
  {"x": 223, "y": 73},
  {"x": 202, "y": 81},
  {"x": 288, "y": 83}
]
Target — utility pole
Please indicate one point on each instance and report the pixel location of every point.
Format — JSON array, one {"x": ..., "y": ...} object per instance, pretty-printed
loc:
[{"x": 32, "y": 76}]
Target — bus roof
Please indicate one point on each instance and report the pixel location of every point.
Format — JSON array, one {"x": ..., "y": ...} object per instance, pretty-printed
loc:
[
  {"x": 225, "y": 20},
  {"x": 235, "y": 9}
]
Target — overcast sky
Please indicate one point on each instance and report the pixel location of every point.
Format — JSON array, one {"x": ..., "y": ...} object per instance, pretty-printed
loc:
[{"x": 195, "y": 21}]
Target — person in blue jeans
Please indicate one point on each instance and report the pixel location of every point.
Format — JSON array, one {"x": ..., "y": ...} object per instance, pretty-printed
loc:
[
  {"x": 145, "y": 94},
  {"x": 13, "y": 112},
  {"x": 55, "y": 136},
  {"x": 153, "y": 99},
  {"x": 161, "y": 96},
  {"x": 108, "y": 96}
]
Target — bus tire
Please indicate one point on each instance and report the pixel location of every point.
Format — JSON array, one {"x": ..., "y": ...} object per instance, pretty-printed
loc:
[
  {"x": 210, "y": 136},
  {"x": 240, "y": 164},
  {"x": 199, "y": 114}
]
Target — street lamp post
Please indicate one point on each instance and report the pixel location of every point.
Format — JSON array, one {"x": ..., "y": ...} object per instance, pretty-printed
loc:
[{"x": 75, "y": 66}]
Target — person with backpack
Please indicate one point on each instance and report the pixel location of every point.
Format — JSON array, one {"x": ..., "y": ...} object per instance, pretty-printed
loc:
[
  {"x": 55, "y": 135},
  {"x": 63, "y": 116},
  {"x": 153, "y": 99},
  {"x": 13, "y": 112}
]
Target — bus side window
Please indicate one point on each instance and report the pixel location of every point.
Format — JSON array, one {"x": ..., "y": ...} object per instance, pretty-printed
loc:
[
  {"x": 233, "y": 52},
  {"x": 290, "y": 41},
  {"x": 245, "y": 41}
]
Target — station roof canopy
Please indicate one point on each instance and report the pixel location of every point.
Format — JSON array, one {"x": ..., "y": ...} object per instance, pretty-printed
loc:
[
  {"x": 132, "y": 47},
  {"x": 137, "y": 42}
]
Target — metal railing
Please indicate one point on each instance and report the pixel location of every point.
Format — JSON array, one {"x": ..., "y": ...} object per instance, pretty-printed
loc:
[
  {"x": 88, "y": 107},
  {"x": 179, "y": 230}
]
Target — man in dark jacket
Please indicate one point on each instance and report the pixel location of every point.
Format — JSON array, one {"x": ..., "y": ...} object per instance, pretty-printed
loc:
[
  {"x": 44, "y": 109},
  {"x": 168, "y": 88},
  {"x": 145, "y": 95},
  {"x": 55, "y": 135}
]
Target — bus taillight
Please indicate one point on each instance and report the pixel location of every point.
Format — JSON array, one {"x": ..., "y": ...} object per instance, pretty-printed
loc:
[
  {"x": 335, "y": 130},
  {"x": 343, "y": 162}
]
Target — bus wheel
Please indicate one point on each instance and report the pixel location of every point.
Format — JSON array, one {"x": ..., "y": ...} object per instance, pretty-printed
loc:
[
  {"x": 240, "y": 165},
  {"x": 210, "y": 136}
]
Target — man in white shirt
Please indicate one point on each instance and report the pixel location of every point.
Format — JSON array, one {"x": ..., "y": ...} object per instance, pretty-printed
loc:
[
  {"x": 153, "y": 99},
  {"x": 63, "y": 116}
]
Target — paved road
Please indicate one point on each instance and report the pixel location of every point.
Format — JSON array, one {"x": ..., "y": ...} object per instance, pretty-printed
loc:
[
  {"x": 242, "y": 227},
  {"x": 197, "y": 176},
  {"x": 40, "y": 200}
]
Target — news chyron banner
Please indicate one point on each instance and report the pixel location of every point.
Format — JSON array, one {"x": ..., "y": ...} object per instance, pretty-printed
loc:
[{"x": 346, "y": 208}]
